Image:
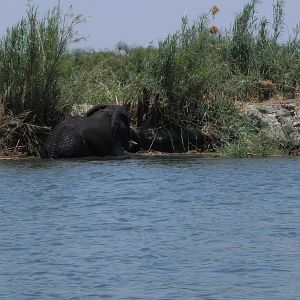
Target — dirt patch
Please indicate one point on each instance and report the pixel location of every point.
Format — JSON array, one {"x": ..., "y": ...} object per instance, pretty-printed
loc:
[{"x": 244, "y": 106}]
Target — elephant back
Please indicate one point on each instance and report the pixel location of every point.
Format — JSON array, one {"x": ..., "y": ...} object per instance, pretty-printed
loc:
[
  {"x": 66, "y": 140},
  {"x": 94, "y": 109}
]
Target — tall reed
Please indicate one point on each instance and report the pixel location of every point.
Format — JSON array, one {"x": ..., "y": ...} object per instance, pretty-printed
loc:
[
  {"x": 30, "y": 64},
  {"x": 30, "y": 71}
]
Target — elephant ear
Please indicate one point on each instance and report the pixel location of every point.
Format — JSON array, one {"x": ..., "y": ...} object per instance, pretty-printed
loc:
[{"x": 120, "y": 124}]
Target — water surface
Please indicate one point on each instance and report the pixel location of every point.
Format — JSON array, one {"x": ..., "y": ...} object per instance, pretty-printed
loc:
[{"x": 157, "y": 228}]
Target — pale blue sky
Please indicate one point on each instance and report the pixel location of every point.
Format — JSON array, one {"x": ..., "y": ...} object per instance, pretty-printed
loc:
[{"x": 138, "y": 22}]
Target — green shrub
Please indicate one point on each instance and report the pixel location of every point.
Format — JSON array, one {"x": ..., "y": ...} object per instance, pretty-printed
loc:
[
  {"x": 187, "y": 70},
  {"x": 290, "y": 140},
  {"x": 250, "y": 143}
]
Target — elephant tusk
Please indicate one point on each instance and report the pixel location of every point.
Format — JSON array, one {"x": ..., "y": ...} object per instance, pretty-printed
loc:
[{"x": 133, "y": 142}]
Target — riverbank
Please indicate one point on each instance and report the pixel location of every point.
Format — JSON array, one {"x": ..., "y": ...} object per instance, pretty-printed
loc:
[
  {"x": 277, "y": 118},
  {"x": 194, "y": 91}
]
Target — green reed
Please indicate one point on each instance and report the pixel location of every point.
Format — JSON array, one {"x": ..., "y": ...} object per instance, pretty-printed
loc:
[
  {"x": 30, "y": 64},
  {"x": 30, "y": 70}
]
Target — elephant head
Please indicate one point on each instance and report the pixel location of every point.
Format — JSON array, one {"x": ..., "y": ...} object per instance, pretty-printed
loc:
[{"x": 121, "y": 130}]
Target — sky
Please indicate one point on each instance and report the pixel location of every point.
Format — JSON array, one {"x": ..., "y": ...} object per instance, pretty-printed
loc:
[{"x": 139, "y": 22}]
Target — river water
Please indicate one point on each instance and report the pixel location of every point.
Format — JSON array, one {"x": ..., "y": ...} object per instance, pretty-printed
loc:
[{"x": 156, "y": 228}]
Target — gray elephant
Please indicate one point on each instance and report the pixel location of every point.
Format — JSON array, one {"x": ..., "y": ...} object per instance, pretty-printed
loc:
[
  {"x": 104, "y": 130},
  {"x": 173, "y": 139}
]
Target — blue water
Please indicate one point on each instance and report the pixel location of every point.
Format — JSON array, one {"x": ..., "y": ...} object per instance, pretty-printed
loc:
[{"x": 157, "y": 228}]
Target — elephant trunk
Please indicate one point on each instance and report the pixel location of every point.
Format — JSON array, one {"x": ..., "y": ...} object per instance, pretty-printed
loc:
[
  {"x": 134, "y": 143},
  {"x": 43, "y": 153}
]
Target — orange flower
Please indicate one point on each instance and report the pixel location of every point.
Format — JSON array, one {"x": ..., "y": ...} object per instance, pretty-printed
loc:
[
  {"x": 266, "y": 84},
  {"x": 213, "y": 30},
  {"x": 214, "y": 10}
]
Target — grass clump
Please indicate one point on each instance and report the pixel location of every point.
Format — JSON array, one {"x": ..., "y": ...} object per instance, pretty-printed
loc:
[
  {"x": 249, "y": 144},
  {"x": 30, "y": 69},
  {"x": 102, "y": 77}
]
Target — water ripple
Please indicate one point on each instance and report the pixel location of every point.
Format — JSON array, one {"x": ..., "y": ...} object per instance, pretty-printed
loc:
[{"x": 150, "y": 229}]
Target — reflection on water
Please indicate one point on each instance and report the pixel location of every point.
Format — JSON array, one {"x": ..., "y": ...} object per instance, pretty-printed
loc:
[{"x": 150, "y": 229}]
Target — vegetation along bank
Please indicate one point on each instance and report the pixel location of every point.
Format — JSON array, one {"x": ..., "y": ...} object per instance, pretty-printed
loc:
[{"x": 232, "y": 92}]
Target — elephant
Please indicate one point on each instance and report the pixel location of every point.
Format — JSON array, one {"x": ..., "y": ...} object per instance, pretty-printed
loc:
[
  {"x": 173, "y": 139},
  {"x": 103, "y": 130}
]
